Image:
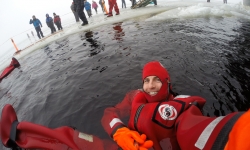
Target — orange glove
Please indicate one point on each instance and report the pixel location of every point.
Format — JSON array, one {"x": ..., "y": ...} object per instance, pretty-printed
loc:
[
  {"x": 146, "y": 145},
  {"x": 131, "y": 140}
]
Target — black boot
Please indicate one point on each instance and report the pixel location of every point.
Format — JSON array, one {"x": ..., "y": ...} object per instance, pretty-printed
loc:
[{"x": 84, "y": 23}]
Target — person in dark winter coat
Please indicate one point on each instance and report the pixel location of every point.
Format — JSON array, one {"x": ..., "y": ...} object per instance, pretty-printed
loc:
[
  {"x": 57, "y": 21},
  {"x": 155, "y": 2},
  {"x": 100, "y": 3},
  {"x": 75, "y": 13},
  {"x": 123, "y": 3},
  {"x": 78, "y": 7},
  {"x": 50, "y": 23},
  {"x": 36, "y": 22},
  {"x": 87, "y": 6}
]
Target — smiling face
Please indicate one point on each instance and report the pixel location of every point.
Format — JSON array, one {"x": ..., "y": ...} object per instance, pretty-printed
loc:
[
  {"x": 155, "y": 82},
  {"x": 152, "y": 85}
]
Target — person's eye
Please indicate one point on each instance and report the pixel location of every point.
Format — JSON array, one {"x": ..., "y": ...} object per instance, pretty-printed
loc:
[
  {"x": 157, "y": 79},
  {"x": 145, "y": 81}
]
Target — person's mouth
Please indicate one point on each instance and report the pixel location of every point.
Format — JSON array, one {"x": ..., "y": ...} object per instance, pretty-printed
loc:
[{"x": 152, "y": 93}]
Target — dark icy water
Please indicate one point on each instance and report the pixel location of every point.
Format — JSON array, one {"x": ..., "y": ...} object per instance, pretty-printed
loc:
[{"x": 71, "y": 81}]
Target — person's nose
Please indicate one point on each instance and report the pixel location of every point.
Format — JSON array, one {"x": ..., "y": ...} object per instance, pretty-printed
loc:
[{"x": 151, "y": 85}]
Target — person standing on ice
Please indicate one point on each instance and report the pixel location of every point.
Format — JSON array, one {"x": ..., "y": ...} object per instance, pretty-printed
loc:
[
  {"x": 50, "y": 23},
  {"x": 94, "y": 6},
  {"x": 87, "y": 6},
  {"x": 75, "y": 13},
  {"x": 36, "y": 22},
  {"x": 123, "y": 3},
  {"x": 78, "y": 7},
  {"x": 155, "y": 2},
  {"x": 113, "y": 4},
  {"x": 100, "y": 3},
  {"x": 57, "y": 21}
]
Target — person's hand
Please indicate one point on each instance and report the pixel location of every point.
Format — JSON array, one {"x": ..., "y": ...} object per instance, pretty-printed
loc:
[
  {"x": 131, "y": 140},
  {"x": 146, "y": 145}
]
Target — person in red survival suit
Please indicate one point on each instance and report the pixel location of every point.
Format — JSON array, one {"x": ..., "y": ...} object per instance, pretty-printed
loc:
[
  {"x": 113, "y": 4},
  {"x": 152, "y": 111}
]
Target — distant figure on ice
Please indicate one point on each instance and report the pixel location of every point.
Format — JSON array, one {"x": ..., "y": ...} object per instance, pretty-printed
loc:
[
  {"x": 74, "y": 12},
  {"x": 36, "y": 22},
  {"x": 94, "y": 6},
  {"x": 133, "y": 2},
  {"x": 50, "y": 23},
  {"x": 113, "y": 4},
  {"x": 208, "y": 1},
  {"x": 57, "y": 21},
  {"x": 104, "y": 8},
  {"x": 155, "y": 2},
  {"x": 123, "y": 3},
  {"x": 78, "y": 7},
  {"x": 100, "y": 3},
  {"x": 225, "y": 1},
  {"x": 87, "y": 6}
]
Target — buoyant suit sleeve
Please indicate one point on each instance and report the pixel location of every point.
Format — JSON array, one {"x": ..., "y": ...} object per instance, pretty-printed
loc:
[{"x": 113, "y": 116}]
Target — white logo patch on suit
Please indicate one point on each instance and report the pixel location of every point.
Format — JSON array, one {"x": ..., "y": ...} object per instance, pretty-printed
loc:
[{"x": 167, "y": 112}]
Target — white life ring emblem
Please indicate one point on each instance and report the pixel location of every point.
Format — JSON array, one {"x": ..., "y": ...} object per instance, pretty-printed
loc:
[{"x": 167, "y": 112}]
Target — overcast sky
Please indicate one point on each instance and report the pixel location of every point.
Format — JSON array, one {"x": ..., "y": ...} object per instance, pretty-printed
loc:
[{"x": 15, "y": 15}]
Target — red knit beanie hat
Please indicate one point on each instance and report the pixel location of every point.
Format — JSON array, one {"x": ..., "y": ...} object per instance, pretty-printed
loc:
[{"x": 155, "y": 68}]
